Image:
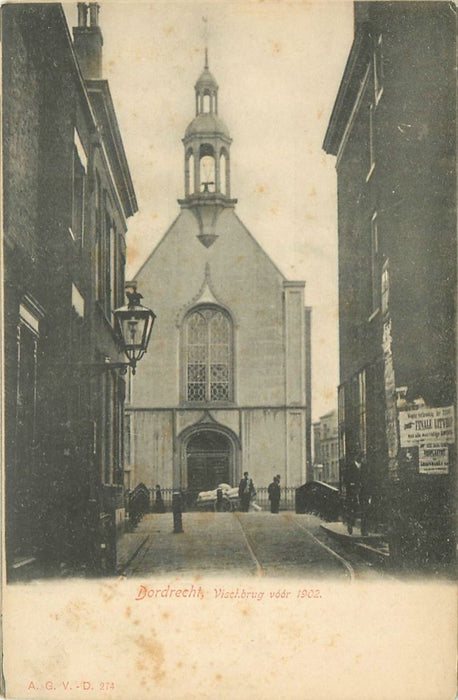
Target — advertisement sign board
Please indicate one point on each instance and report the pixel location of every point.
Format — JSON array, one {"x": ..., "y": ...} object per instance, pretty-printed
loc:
[
  {"x": 435, "y": 426},
  {"x": 433, "y": 460}
]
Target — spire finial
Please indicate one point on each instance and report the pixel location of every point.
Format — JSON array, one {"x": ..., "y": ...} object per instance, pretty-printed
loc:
[{"x": 205, "y": 21}]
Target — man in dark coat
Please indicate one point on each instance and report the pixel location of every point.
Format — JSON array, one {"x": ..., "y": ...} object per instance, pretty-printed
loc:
[
  {"x": 159, "y": 506},
  {"x": 274, "y": 494},
  {"x": 352, "y": 482},
  {"x": 246, "y": 491}
]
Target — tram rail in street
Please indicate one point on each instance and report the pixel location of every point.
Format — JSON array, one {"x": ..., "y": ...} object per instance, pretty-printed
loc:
[
  {"x": 346, "y": 564},
  {"x": 240, "y": 544},
  {"x": 249, "y": 543},
  {"x": 260, "y": 570}
]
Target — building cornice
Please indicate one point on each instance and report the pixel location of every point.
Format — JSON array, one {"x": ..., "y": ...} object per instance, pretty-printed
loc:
[
  {"x": 211, "y": 407},
  {"x": 349, "y": 87},
  {"x": 99, "y": 94},
  {"x": 291, "y": 284}
]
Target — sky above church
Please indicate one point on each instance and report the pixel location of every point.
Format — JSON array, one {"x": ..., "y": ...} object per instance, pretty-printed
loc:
[{"x": 278, "y": 66}]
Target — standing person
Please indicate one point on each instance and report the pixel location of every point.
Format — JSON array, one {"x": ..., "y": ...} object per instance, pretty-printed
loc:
[
  {"x": 159, "y": 505},
  {"x": 274, "y": 494},
  {"x": 352, "y": 486},
  {"x": 246, "y": 492}
]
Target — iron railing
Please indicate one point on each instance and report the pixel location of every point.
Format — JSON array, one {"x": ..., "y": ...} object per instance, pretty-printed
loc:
[
  {"x": 287, "y": 500},
  {"x": 138, "y": 503},
  {"x": 166, "y": 498},
  {"x": 287, "y": 497}
]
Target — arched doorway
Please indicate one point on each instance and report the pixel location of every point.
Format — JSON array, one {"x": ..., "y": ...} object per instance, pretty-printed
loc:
[{"x": 209, "y": 458}]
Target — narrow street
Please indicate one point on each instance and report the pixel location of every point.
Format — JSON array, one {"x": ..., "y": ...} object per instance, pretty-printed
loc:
[{"x": 247, "y": 544}]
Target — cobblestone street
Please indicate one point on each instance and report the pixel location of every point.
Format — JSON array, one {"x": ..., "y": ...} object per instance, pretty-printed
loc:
[{"x": 247, "y": 544}]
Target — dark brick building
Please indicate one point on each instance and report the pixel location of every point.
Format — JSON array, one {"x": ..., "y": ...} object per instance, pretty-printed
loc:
[
  {"x": 392, "y": 130},
  {"x": 67, "y": 195}
]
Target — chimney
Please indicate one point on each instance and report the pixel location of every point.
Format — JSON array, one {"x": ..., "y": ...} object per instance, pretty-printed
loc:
[
  {"x": 88, "y": 40},
  {"x": 361, "y": 14}
]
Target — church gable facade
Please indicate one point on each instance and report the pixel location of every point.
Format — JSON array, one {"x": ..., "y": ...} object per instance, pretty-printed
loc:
[{"x": 223, "y": 387}]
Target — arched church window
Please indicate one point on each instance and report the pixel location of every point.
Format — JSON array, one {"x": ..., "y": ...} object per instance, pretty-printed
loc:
[{"x": 208, "y": 350}]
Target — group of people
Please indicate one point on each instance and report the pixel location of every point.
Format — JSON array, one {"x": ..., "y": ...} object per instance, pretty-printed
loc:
[
  {"x": 356, "y": 486},
  {"x": 247, "y": 492}
]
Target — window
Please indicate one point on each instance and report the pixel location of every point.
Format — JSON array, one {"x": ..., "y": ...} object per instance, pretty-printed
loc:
[
  {"x": 375, "y": 267},
  {"x": 378, "y": 69},
  {"x": 26, "y": 395},
  {"x": 127, "y": 438},
  {"x": 109, "y": 420},
  {"x": 118, "y": 429},
  {"x": 341, "y": 420},
  {"x": 99, "y": 239},
  {"x": 385, "y": 288},
  {"x": 78, "y": 186},
  {"x": 75, "y": 388},
  {"x": 109, "y": 257},
  {"x": 208, "y": 349},
  {"x": 111, "y": 435},
  {"x": 114, "y": 268},
  {"x": 107, "y": 270},
  {"x": 362, "y": 410},
  {"x": 371, "y": 142},
  {"x": 121, "y": 282}
]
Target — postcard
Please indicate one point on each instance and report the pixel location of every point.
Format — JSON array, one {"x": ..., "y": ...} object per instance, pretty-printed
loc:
[{"x": 229, "y": 384}]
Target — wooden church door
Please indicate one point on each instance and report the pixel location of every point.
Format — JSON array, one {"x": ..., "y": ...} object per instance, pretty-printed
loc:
[{"x": 208, "y": 458}]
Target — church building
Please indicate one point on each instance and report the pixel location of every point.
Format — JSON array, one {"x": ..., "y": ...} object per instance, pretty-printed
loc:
[{"x": 225, "y": 386}]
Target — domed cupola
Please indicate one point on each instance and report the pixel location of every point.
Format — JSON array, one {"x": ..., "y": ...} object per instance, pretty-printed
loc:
[
  {"x": 206, "y": 81},
  {"x": 207, "y": 160}
]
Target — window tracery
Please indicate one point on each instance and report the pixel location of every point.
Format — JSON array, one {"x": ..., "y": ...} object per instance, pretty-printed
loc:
[{"x": 208, "y": 349}]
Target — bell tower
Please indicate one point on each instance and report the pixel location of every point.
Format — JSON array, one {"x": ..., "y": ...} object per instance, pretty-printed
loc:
[{"x": 207, "y": 172}]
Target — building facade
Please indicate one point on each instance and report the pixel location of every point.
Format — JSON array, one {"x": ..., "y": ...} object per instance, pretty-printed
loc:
[
  {"x": 224, "y": 389},
  {"x": 326, "y": 449},
  {"x": 392, "y": 132},
  {"x": 67, "y": 194}
]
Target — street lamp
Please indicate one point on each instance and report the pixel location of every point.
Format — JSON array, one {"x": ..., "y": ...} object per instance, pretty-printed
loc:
[{"x": 133, "y": 324}]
